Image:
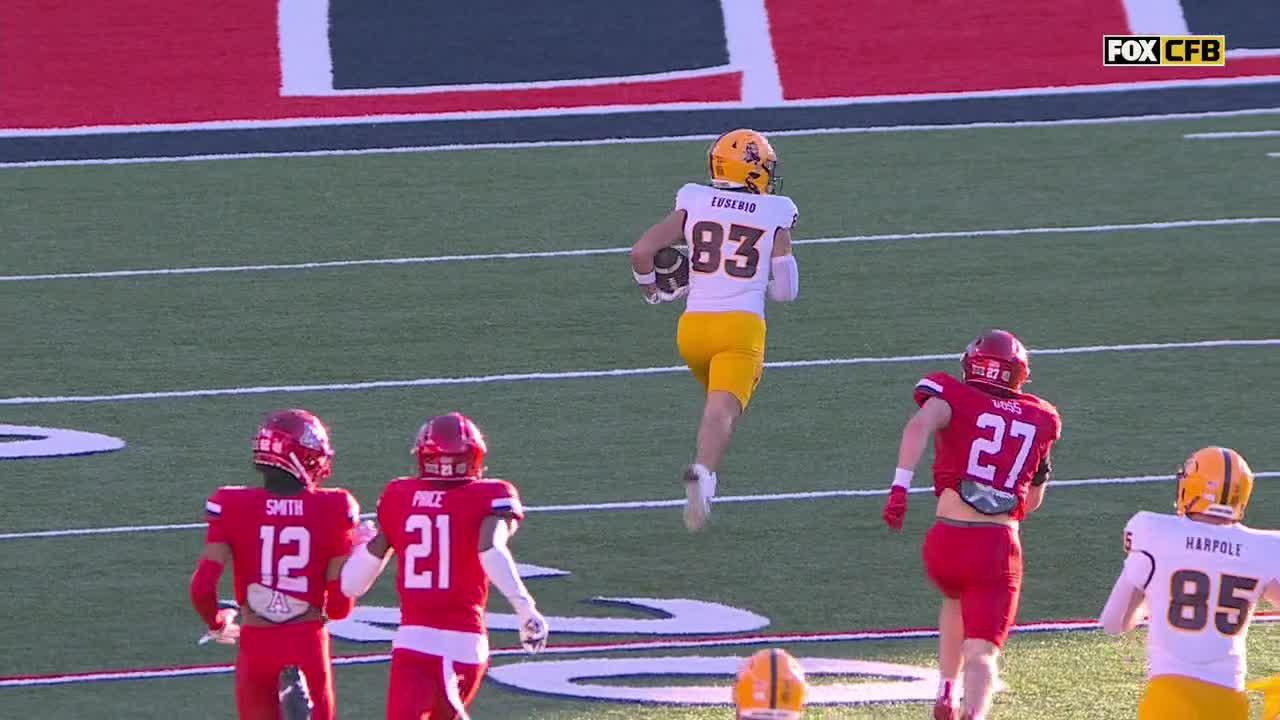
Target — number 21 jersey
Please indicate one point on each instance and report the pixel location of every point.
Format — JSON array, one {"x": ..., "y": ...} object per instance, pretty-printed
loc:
[
  {"x": 730, "y": 238},
  {"x": 1202, "y": 583},
  {"x": 434, "y": 528}
]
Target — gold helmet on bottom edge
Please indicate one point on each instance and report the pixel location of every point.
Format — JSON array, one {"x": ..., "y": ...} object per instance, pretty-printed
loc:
[
  {"x": 1215, "y": 481},
  {"x": 770, "y": 686},
  {"x": 743, "y": 159}
]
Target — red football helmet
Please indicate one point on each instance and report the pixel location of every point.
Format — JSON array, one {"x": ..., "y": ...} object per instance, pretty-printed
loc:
[
  {"x": 450, "y": 447},
  {"x": 997, "y": 358},
  {"x": 296, "y": 442}
]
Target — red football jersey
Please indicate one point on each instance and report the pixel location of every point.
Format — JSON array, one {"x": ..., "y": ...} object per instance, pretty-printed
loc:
[
  {"x": 994, "y": 440},
  {"x": 283, "y": 542},
  {"x": 434, "y": 527}
]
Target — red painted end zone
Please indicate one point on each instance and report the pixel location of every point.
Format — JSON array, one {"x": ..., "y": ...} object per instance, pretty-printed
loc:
[
  {"x": 835, "y": 48},
  {"x": 146, "y": 61}
]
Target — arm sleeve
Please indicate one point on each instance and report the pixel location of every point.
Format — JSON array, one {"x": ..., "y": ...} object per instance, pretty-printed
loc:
[
  {"x": 1139, "y": 568},
  {"x": 795, "y": 215},
  {"x": 506, "y": 502},
  {"x": 784, "y": 286},
  {"x": 337, "y": 605},
  {"x": 350, "y": 519},
  {"x": 929, "y": 386},
  {"x": 213, "y": 517},
  {"x": 204, "y": 591},
  {"x": 1120, "y": 614}
]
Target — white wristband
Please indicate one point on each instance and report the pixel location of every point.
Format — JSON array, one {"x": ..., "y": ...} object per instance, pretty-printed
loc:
[
  {"x": 902, "y": 478},
  {"x": 648, "y": 278}
]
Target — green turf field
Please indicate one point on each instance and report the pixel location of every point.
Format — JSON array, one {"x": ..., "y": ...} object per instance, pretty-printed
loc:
[{"x": 119, "y": 601}]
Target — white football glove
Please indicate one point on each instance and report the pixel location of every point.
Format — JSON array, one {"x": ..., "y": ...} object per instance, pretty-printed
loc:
[
  {"x": 228, "y": 633},
  {"x": 365, "y": 532},
  {"x": 533, "y": 629},
  {"x": 654, "y": 296}
]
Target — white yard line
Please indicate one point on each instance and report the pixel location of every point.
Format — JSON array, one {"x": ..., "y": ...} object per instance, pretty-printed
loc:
[
  {"x": 1156, "y": 17},
  {"x": 549, "y": 254},
  {"x": 586, "y": 374},
  {"x": 750, "y": 44},
  {"x": 615, "y": 506},
  {"x": 1231, "y": 135}
]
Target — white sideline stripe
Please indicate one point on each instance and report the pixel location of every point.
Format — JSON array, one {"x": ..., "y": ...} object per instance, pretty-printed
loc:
[
  {"x": 458, "y": 147},
  {"x": 1274, "y": 154},
  {"x": 584, "y": 374},
  {"x": 431, "y": 259},
  {"x": 679, "y": 106},
  {"x": 398, "y": 150},
  {"x": 1156, "y": 17},
  {"x": 529, "y": 85},
  {"x": 1235, "y": 134},
  {"x": 750, "y": 44},
  {"x": 306, "y": 58},
  {"x": 625, "y": 505},
  {"x": 1253, "y": 52},
  {"x": 1046, "y": 626}
]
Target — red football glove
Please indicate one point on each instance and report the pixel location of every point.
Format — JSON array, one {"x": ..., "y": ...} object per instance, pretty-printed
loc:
[{"x": 895, "y": 508}]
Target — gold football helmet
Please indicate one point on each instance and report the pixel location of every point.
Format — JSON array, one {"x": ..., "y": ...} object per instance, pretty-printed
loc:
[
  {"x": 1215, "y": 481},
  {"x": 744, "y": 159},
  {"x": 770, "y": 686}
]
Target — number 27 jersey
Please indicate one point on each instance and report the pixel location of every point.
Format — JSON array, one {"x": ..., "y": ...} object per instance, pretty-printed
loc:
[
  {"x": 730, "y": 238},
  {"x": 993, "y": 442},
  {"x": 1202, "y": 583}
]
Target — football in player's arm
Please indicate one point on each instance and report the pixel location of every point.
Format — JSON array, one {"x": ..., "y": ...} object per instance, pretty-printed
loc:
[
  {"x": 991, "y": 467},
  {"x": 449, "y": 527},
  {"x": 739, "y": 234},
  {"x": 1199, "y": 574},
  {"x": 287, "y": 540}
]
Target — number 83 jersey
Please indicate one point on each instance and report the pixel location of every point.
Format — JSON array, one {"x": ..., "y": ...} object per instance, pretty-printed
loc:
[
  {"x": 1201, "y": 583},
  {"x": 730, "y": 238}
]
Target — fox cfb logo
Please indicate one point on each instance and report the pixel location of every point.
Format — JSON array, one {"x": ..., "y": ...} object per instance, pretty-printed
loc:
[{"x": 1166, "y": 50}]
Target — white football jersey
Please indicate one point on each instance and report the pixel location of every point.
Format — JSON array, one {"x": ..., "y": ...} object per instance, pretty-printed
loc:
[
  {"x": 730, "y": 237},
  {"x": 1202, "y": 583}
]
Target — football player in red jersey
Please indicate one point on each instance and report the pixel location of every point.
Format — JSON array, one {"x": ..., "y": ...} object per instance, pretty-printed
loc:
[
  {"x": 449, "y": 528},
  {"x": 991, "y": 465},
  {"x": 287, "y": 539}
]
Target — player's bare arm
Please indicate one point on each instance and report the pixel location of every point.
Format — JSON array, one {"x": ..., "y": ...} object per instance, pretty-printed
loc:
[
  {"x": 930, "y": 418},
  {"x": 500, "y": 567},
  {"x": 784, "y": 280},
  {"x": 663, "y": 234}
]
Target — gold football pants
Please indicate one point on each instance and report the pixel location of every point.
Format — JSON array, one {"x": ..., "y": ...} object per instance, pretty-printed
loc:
[
  {"x": 724, "y": 350},
  {"x": 1173, "y": 697}
]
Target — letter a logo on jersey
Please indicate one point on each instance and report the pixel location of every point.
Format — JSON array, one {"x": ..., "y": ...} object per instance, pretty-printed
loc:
[{"x": 278, "y": 605}]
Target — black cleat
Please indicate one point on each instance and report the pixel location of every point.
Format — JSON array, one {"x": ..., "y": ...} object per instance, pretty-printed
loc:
[{"x": 295, "y": 698}]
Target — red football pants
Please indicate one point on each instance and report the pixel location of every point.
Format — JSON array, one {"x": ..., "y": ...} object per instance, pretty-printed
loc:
[
  {"x": 981, "y": 565},
  {"x": 424, "y": 687},
  {"x": 265, "y": 651}
]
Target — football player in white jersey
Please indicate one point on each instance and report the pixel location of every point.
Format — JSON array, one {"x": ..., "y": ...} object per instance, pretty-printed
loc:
[
  {"x": 1200, "y": 574},
  {"x": 739, "y": 235}
]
